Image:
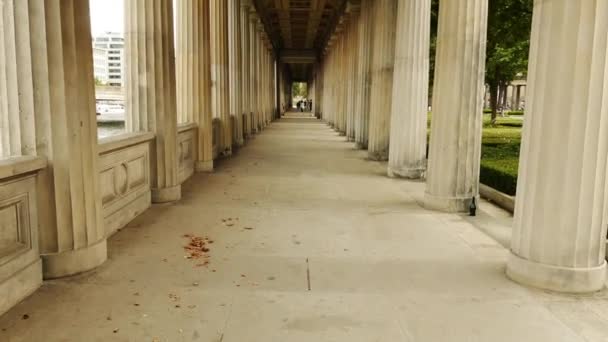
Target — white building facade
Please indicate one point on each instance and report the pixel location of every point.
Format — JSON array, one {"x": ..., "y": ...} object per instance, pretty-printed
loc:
[{"x": 114, "y": 44}]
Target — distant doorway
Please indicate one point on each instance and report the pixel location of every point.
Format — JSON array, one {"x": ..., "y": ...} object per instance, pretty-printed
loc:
[{"x": 300, "y": 100}]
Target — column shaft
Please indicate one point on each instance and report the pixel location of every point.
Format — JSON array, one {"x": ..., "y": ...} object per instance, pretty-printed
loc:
[
  {"x": 193, "y": 61},
  {"x": 236, "y": 98},
  {"x": 353, "y": 35},
  {"x": 246, "y": 67},
  {"x": 383, "y": 59},
  {"x": 561, "y": 215},
  {"x": 72, "y": 236},
  {"x": 220, "y": 88},
  {"x": 364, "y": 54},
  {"x": 455, "y": 145},
  {"x": 151, "y": 88},
  {"x": 407, "y": 155}
]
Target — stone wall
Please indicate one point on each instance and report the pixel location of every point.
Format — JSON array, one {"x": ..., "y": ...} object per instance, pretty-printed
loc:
[
  {"x": 20, "y": 263},
  {"x": 186, "y": 150},
  {"x": 124, "y": 173}
]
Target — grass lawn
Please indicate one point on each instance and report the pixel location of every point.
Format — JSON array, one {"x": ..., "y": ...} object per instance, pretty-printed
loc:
[{"x": 500, "y": 153}]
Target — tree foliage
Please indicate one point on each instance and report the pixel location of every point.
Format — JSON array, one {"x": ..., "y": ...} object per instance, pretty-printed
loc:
[
  {"x": 508, "y": 45},
  {"x": 299, "y": 89}
]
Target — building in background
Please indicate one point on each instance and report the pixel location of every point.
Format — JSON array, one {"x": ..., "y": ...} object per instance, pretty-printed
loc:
[
  {"x": 100, "y": 65},
  {"x": 114, "y": 44}
]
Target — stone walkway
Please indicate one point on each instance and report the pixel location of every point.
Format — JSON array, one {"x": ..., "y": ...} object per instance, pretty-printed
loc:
[{"x": 311, "y": 243}]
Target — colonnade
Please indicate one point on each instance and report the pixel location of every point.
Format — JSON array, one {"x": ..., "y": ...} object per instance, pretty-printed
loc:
[
  {"x": 220, "y": 68},
  {"x": 561, "y": 214}
]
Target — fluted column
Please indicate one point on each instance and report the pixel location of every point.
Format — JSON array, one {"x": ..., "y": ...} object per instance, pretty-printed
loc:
[
  {"x": 407, "y": 153},
  {"x": 220, "y": 88},
  {"x": 383, "y": 58},
  {"x": 341, "y": 87},
  {"x": 363, "y": 91},
  {"x": 193, "y": 61},
  {"x": 455, "y": 145},
  {"x": 151, "y": 88},
  {"x": 72, "y": 235},
  {"x": 253, "y": 88},
  {"x": 246, "y": 66},
  {"x": 236, "y": 98},
  {"x": 561, "y": 215},
  {"x": 353, "y": 35}
]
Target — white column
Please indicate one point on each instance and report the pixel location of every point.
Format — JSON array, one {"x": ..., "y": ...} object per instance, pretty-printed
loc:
[
  {"x": 236, "y": 104},
  {"x": 455, "y": 145},
  {"x": 72, "y": 235},
  {"x": 561, "y": 212},
  {"x": 253, "y": 88},
  {"x": 364, "y": 74},
  {"x": 352, "y": 76},
  {"x": 194, "y": 75},
  {"x": 383, "y": 59},
  {"x": 246, "y": 66},
  {"x": 151, "y": 88},
  {"x": 407, "y": 153},
  {"x": 220, "y": 88}
]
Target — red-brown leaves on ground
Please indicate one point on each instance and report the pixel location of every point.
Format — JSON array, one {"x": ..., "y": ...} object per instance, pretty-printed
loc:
[{"x": 197, "y": 248}]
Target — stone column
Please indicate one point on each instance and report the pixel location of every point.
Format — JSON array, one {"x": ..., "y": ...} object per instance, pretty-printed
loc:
[
  {"x": 363, "y": 90},
  {"x": 246, "y": 66},
  {"x": 47, "y": 109},
  {"x": 72, "y": 235},
  {"x": 407, "y": 155},
  {"x": 517, "y": 97},
  {"x": 236, "y": 98},
  {"x": 253, "y": 87},
  {"x": 383, "y": 59},
  {"x": 559, "y": 235},
  {"x": 353, "y": 30},
  {"x": 220, "y": 88},
  {"x": 193, "y": 61},
  {"x": 151, "y": 89},
  {"x": 455, "y": 145}
]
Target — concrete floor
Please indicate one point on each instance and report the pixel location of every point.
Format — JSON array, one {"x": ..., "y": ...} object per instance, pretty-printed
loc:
[{"x": 322, "y": 247}]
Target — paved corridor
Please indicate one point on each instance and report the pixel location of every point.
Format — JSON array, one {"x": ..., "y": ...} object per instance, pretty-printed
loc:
[{"x": 310, "y": 243}]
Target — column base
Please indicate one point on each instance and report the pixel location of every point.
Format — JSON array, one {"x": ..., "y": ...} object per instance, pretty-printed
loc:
[
  {"x": 360, "y": 146},
  {"x": 378, "y": 155},
  {"x": 408, "y": 173},
  {"x": 204, "y": 166},
  {"x": 448, "y": 204},
  {"x": 164, "y": 195},
  {"x": 556, "y": 278},
  {"x": 73, "y": 262}
]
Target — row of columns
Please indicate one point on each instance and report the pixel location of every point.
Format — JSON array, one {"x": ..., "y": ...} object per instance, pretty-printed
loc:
[
  {"x": 561, "y": 214},
  {"x": 221, "y": 67}
]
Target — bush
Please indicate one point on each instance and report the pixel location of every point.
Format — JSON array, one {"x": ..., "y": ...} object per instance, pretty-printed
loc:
[{"x": 499, "y": 165}]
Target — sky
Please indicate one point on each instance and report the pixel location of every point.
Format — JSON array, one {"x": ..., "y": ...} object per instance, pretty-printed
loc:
[{"x": 107, "y": 15}]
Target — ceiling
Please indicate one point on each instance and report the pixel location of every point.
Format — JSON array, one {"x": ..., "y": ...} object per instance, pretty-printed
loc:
[
  {"x": 299, "y": 30},
  {"x": 299, "y": 24}
]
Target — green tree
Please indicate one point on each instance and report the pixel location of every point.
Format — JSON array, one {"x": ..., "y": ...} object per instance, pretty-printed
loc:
[
  {"x": 99, "y": 82},
  {"x": 509, "y": 26},
  {"x": 299, "y": 89}
]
